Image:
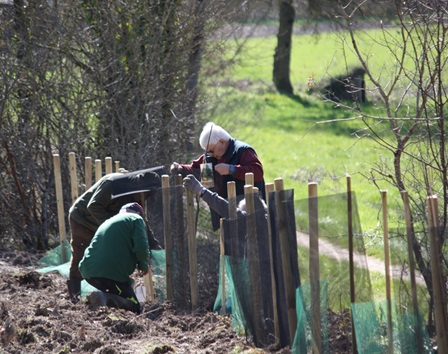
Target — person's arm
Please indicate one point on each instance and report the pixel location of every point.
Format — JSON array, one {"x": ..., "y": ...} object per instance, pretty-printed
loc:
[
  {"x": 186, "y": 169},
  {"x": 249, "y": 162},
  {"x": 217, "y": 203}
]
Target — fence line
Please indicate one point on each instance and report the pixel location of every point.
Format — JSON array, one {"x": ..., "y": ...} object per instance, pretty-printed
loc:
[{"x": 277, "y": 190}]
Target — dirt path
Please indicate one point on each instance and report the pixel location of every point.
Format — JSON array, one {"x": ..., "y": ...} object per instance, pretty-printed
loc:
[{"x": 372, "y": 264}]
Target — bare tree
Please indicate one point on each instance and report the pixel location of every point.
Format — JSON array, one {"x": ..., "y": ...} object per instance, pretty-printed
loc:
[
  {"x": 412, "y": 95},
  {"x": 282, "y": 56},
  {"x": 312, "y": 11},
  {"x": 99, "y": 78}
]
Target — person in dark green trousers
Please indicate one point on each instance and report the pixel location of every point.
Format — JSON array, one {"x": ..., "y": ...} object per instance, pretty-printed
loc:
[{"x": 120, "y": 245}]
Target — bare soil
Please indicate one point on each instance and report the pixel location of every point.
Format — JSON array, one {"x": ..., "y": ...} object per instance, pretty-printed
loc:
[{"x": 37, "y": 316}]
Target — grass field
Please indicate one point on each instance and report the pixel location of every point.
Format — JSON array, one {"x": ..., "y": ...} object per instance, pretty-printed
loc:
[{"x": 302, "y": 139}]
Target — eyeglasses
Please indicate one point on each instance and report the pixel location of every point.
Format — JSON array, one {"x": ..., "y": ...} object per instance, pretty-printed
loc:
[{"x": 212, "y": 151}]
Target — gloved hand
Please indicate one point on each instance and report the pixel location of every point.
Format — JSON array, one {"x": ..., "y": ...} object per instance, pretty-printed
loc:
[
  {"x": 192, "y": 184},
  {"x": 175, "y": 168}
]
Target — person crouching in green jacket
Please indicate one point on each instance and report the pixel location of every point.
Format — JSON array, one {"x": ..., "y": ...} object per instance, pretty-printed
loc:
[{"x": 120, "y": 245}]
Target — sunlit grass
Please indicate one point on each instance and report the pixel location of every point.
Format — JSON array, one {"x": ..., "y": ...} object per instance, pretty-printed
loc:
[
  {"x": 302, "y": 139},
  {"x": 294, "y": 144},
  {"x": 370, "y": 286}
]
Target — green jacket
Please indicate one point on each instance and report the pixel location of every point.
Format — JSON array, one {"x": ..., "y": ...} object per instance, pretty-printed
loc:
[
  {"x": 119, "y": 247},
  {"x": 95, "y": 206}
]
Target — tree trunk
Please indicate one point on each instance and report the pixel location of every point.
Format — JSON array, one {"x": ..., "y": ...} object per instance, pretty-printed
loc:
[{"x": 282, "y": 54}]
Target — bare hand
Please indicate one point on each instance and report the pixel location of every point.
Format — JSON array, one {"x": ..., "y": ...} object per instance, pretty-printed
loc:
[
  {"x": 144, "y": 272},
  {"x": 175, "y": 168},
  {"x": 222, "y": 168}
]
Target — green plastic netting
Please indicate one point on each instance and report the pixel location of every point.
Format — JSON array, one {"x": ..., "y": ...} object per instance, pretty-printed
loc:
[
  {"x": 52, "y": 262},
  {"x": 242, "y": 298},
  {"x": 304, "y": 340},
  {"x": 408, "y": 333}
]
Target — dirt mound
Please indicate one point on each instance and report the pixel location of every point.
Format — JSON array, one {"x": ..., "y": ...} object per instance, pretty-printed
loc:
[{"x": 36, "y": 316}]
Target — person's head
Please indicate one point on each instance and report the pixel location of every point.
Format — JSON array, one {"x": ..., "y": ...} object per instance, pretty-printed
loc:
[
  {"x": 133, "y": 208},
  {"x": 259, "y": 204},
  {"x": 214, "y": 139}
]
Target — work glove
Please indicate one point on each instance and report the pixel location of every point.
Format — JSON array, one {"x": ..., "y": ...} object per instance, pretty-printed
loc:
[
  {"x": 192, "y": 184},
  {"x": 175, "y": 168}
]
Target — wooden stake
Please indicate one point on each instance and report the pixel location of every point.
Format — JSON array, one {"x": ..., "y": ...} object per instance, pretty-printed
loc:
[
  {"x": 231, "y": 197},
  {"x": 60, "y": 205},
  {"x": 351, "y": 261},
  {"x": 387, "y": 272},
  {"x": 108, "y": 163},
  {"x": 192, "y": 250},
  {"x": 167, "y": 234},
  {"x": 88, "y": 172},
  {"x": 181, "y": 241},
  {"x": 438, "y": 282},
  {"x": 410, "y": 239},
  {"x": 253, "y": 257},
  {"x": 249, "y": 178},
  {"x": 148, "y": 278},
  {"x": 98, "y": 170},
  {"x": 314, "y": 266},
  {"x": 284, "y": 247},
  {"x": 223, "y": 267},
  {"x": 269, "y": 187},
  {"x": 73, "y": 176}
]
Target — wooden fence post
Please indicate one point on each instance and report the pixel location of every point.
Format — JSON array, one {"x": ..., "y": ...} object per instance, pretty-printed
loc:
[
  {"x": 290, "y": 291},
  {"x": 73, "y": 176},
  {"x": 108, "y": 163},
  {"x": 167, "y": 234},
  {"x": 231, "y": 197},
  {"x": 223, "y": 267},
  {"x": 314, "y": 267},
  {"x": 192, "y": 250},
  {"x": 249, "y": 178},
  {"x": 148, "y": 278},
  {"x": 390, "y": 336},
  {"x": 437, "y": 276},
  {"x": 60, "y": 205},
  {"x": 98, "y": 170},
  {"x": 181, "y": 240},
  {"x": 88, "y": 172},
  {"x": 253, "y": 257},
  {"x": 351, "y": 261},
  {"x": 117, "y": 166},
  {"x": 269, "y": 187},
  {"x": 410, "y": 239}
]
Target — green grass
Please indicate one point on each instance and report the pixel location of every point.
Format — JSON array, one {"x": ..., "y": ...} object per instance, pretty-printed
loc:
[
  {"x": 369, "y": 285},
  {"x": 301, "y": 139},
  {"x": 324, "y": 55},
  {"x": 293, "y": 146}
]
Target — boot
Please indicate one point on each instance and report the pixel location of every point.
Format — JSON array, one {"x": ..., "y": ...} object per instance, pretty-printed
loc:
[
  {"x": 74, "y": 289},
  {"x": 101, "y": 298}
]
